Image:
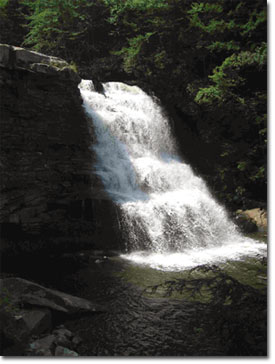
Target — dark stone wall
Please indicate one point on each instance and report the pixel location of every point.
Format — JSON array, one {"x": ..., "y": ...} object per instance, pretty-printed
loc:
[{"x": 50, "y": 198}]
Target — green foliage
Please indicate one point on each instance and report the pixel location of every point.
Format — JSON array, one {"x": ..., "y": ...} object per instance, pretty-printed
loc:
[
  {"x": 224, "y": 46},
  {"x": 227, "y": 76},
  {"x": 197, "y": 8},
  {"x": 208, "y": 95},
  {"x": 242, "y": 165},
  {"x": 119, "y": 7},
  {"x": 206, "y": 17},
  {"x": 53, "y": 21},
  {"x": 74, "y": 67},
  {"x": 160, "y": 59},
  {"x": 211, "y": 27},
  {"x": 3, "y": 3},
  {"x": 225, "y": 32},
  {"x": 131, "y": 53},
  {"x": 255, "y": 19}
]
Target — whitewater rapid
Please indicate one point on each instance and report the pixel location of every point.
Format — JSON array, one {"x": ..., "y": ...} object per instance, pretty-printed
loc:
[{"x": 168, "y": 215}]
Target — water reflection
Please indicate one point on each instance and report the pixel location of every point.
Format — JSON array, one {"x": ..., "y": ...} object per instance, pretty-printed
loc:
[{"x": 141, "y": 324}]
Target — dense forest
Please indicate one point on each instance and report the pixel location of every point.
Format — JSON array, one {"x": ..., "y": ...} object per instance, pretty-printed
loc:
[{"x": 204, "y": 60}]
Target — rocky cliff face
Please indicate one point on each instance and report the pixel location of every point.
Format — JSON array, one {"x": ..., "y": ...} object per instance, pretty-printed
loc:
[{"x": 51, "y": 200}]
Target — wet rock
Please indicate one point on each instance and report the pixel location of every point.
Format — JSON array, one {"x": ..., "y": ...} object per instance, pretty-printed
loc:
[
  {"x": 33, "y": 300},
  {"x": 63, "y": 351},
  {"x": 61, "y": 342},
  {"x": 63, "y": 337},
  {"x": 76, "y": 341},
  {"x": 102, "y": 260},
  {"x": 42, "y": 347},
  {"x": 245, "y": 224},
  {"x": 259, "y": 216},
  {"x": 252, "y": 220},
  {"x": 40, "y": 352},
  {"x": 19, "y": 325},
  {"x": 63, "y": 332},
  {"x": 32, "y": 294},
  {"x": 51, "y": 200},
  {"x": 37, "y": 321},
  {"x": 4, "y": 55}
]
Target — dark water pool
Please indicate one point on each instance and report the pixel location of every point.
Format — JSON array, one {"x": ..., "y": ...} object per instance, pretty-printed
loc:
[{"x": 217, "y": 311}]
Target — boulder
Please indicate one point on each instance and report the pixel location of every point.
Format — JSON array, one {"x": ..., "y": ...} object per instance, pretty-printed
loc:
[
  {"x": 12, "y": 57},
  {"x": 26, "y": 57},
  {"x": 19, "y": 325},
  {"x": 33, "y": 300},
  {"x": 245, "y": 224},
  {"x": 42, "y": 347},
  {"x": 252, "y": 220},
  {"x": 36, "y": 321},
  {"x": 32, "y": 294},
  {"x": 76, "y": 341},
  {"x": 61, "y": 351},
  {"x": 63, "y": 332},
  {"x": 63, "y": 341},
  {"x": 59, "y": 343},
  {"x": 63, "y": 337}
]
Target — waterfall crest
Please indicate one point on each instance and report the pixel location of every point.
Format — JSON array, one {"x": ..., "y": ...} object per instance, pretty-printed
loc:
[{"x": 171, "y": 219}]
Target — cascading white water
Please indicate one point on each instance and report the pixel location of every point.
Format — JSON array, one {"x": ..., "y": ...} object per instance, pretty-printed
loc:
[{"x": 171, "y": 219}]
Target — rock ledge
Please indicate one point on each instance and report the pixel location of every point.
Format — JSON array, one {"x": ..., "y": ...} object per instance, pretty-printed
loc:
[{"x": 12, "y": 57}]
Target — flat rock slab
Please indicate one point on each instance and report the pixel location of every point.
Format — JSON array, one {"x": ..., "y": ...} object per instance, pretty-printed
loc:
[
  {"x": 26, "y": 56},
  {"x": 32, "y": 294},
  {"x": 12, "y": 57}
]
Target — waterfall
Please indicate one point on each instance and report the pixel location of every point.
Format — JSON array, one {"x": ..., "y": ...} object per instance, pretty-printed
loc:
[{"x": 171, "y": 220}]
